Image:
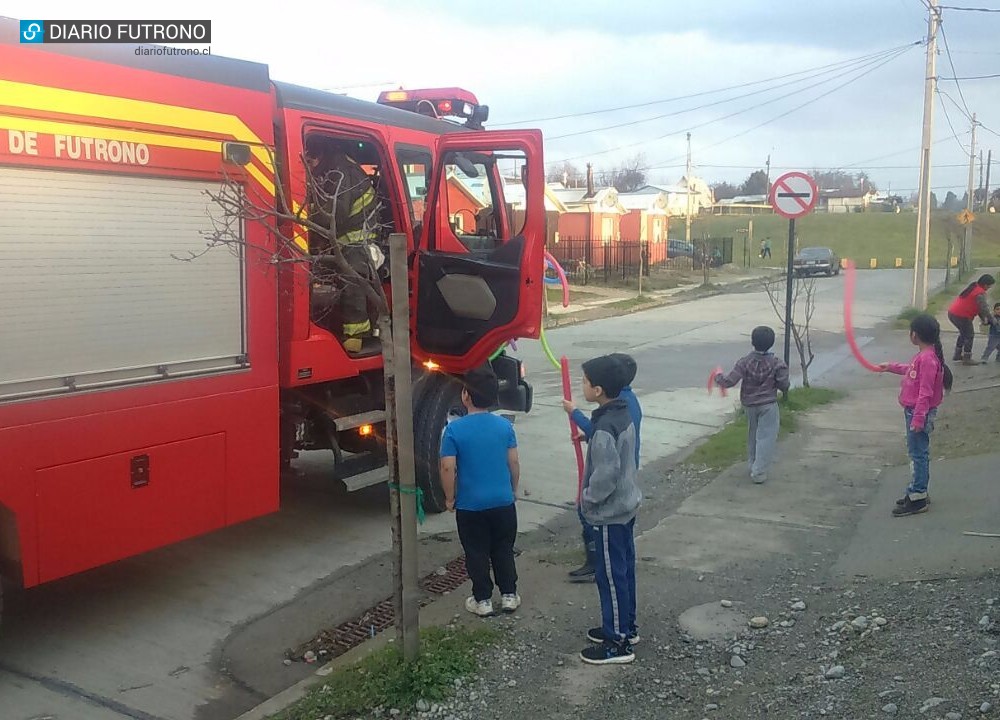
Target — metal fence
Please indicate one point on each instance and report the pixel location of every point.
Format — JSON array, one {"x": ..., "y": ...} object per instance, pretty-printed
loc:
[{"x": 585, "y": 260}]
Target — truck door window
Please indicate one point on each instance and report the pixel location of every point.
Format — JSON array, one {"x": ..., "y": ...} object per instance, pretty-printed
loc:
[
  {"x": 473, "y": 194},
  {"x": 415, "y": 171}
]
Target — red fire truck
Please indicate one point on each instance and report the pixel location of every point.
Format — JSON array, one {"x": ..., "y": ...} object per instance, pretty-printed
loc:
[{"x": 152, "y": 382}]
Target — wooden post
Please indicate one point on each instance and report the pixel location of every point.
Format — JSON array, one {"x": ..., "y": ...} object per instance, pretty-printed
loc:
[{"x": 399, "y": 442}]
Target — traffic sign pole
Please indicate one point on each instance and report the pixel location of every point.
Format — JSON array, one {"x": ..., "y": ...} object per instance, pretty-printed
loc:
[
  {"x": 788, "y": 291},
  {"x": 793, "y": 195}
]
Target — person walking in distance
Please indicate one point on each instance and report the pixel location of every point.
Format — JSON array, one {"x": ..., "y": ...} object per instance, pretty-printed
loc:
[
  {"x": 480, "y": 472},
  {"x": 925, "y": 379},
  {"x": 762, "y": 375},
  {"x": 971, "y": 302},
  {"x": 585, "y": 573}
]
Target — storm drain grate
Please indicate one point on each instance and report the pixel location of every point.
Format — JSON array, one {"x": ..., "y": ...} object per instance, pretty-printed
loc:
[
  {"x": 337, "y": 641},
  {"x": 443, "y": 582}
]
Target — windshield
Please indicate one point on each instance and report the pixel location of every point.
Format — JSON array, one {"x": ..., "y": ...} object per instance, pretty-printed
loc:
[{"x": 815, "y": 252}]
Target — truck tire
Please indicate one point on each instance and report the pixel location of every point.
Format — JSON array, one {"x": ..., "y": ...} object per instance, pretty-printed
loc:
[{"x": 430, "y": 417}]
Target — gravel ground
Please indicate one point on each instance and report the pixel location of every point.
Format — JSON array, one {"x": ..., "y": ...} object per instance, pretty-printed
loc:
[
  {"x": 921, "y": 649},
  {"x": 927, "y": 648}
]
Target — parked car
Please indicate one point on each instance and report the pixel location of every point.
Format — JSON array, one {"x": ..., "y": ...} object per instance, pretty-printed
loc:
[
  {"x": 679, "y": 248},
  {"x": 816, "y": 261}
]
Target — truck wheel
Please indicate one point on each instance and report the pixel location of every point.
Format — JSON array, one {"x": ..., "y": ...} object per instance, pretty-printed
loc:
[{"x": 430, "y": 418}]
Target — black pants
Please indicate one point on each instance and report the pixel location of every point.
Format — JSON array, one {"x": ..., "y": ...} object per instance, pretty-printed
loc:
[
  {"x": 488, "y": 539},
  {"x": 966, "y": 334}
]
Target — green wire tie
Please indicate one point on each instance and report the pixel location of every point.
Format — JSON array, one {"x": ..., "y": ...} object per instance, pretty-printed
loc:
[{"x": 412, "y": 491}]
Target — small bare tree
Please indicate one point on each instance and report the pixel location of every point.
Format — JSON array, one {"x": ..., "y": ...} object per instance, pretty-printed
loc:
[
  {"x": 803, "y": 309},
  {"x": 242, "y": 204}
]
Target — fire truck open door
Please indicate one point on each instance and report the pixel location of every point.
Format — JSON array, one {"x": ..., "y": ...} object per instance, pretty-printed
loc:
[{"x": 478, "y": 271}]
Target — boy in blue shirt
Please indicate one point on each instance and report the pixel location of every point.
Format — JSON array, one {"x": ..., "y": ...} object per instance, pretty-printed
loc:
[
  {"x": 585, "y": 573},
  {"x": 480, "y": 472}
]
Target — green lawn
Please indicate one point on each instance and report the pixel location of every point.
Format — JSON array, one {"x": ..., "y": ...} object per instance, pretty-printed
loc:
[
  {"x": 858, "y": 236},
  {"x": 575, "y": 296},
  {"x": 729, "y": 445}
]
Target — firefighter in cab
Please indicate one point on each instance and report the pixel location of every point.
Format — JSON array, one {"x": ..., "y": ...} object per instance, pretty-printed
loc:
[{"x": 341, "y": 188}]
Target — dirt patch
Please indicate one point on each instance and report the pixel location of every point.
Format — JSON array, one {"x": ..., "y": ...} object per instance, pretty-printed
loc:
[{"x": 969, "y": 421}]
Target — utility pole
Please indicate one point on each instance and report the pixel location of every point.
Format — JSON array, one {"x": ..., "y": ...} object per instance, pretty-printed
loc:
[
  {"x": 980, "y": 185},
  {"x": 986, "y": 188},
  {"x": 687, "y": 183},
  {"x": 922, "y": 244},
  {"x": 767, "y": 189},
  {"x": 403, "y": 496},
  {"x": 967, "y": 241}
]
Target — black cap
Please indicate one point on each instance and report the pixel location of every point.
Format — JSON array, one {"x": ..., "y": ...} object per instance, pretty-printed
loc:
[{"x": 607, "y": 373}]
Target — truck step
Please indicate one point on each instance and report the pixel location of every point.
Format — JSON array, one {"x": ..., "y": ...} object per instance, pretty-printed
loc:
[
  {"x": 349, "y": 422},
  {"x": 366, "y": 479}
]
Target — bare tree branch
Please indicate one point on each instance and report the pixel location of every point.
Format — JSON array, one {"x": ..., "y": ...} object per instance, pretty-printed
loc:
[
  {"x": 804, "y": 305},
  {"x": 241, "y": 206}
]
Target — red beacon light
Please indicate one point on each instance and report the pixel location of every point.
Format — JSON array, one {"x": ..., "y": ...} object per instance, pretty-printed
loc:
[{"x": 439, "y": 103}]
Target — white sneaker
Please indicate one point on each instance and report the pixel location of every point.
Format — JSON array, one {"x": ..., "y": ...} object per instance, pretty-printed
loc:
[
  {"x": 510, "y": 603},
  {"x": 482, "y": 609}
]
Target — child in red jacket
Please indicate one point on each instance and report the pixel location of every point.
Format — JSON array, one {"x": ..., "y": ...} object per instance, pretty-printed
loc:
[{"x": 925, "y": 378}]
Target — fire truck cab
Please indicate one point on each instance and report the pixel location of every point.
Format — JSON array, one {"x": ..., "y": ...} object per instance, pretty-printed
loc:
[{"x": 167, "y": 346}]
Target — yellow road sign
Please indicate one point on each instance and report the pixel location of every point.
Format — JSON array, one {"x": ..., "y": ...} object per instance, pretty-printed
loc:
[{"x": 965, "y": 217}]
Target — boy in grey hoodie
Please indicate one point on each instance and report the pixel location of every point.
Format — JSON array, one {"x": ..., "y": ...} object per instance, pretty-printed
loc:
[{"x": 608, "y": 503}]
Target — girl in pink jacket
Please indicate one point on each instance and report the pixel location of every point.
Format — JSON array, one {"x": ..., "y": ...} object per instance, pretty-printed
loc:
[{"x": 925, "y": 378}]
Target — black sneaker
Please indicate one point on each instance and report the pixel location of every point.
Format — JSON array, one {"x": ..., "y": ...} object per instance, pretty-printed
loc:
[
  {"x": 902, "y": 501},
  {"x": 584, "y": 573},
  {"x": 910, "y": 507},
  {"x": 596, "y": 635},
  {"x": 608, "y": 653}
]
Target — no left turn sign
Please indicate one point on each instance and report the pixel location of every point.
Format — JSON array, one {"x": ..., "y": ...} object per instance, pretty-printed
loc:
[{"x": 793, "y": 195}]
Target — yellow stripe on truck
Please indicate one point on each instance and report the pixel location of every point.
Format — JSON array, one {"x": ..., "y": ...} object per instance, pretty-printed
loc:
[
  {"x": 300, "y": 242},
  {"x": 182, "y": 142},
  {"x": 108, "y": 107}
]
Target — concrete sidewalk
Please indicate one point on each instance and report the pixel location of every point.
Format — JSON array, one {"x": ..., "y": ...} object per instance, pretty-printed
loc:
[
  {"x": 935, "y": 544},
  {"x": 605, "y": 295}
]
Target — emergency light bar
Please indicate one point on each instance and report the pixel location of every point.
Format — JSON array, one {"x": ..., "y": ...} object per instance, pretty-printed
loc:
[{"x": 439, "y": 103}]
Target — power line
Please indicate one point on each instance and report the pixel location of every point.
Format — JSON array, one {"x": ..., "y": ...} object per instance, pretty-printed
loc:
[
  {"x": 865, "y": 70},
  {"x": 948, "y": 118},
  {"x": 739, "y": 86},
  {"x": 831, "y": 168},
  {"x": 808, "y": 102},
  {"x": 970, "y": 9},
  {"x": 951, "y": 61},
  {"x": 971, "y": 77},
  {"x": 839, "y": 69},
  {"x": 901, "y": 152},
  {"x": 968, "y": 116}
]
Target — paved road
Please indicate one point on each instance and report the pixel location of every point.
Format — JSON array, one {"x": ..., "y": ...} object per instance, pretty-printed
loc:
[{"x": 141, "y": 639}]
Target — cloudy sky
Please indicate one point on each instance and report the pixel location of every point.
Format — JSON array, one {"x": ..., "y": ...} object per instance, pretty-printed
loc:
[{"x": 850, "y": 92}]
